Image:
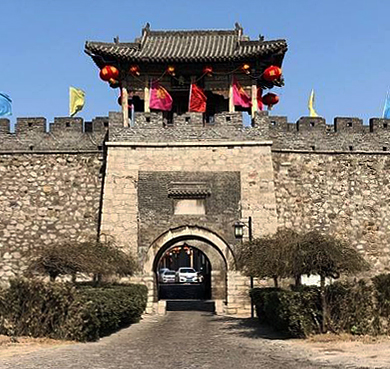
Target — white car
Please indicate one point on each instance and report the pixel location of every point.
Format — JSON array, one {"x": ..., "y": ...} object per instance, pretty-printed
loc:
[
  {"x": 187, "y": 275},
  {"x": 168, "y": 276},
  {"x": 160, "y": 273}
]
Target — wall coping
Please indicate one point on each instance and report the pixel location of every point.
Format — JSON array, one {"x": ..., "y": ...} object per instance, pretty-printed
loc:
[
  {"x": 330, "y": 152},
  {"x": 42, "y": 152},
  {"x": 188, "y": 144}
]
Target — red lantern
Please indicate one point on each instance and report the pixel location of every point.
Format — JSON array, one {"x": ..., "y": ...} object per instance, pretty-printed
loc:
[
  {"x": 171, "y": 70},
  {"x": 208, "y": 71},
  {"x": 109, "y": 72},
  {"x": 270, "y": 99},
  {"x": 272, "y": 73},
  {"x": 134, "y": 70},
  {"x": 246, "y": 68}
]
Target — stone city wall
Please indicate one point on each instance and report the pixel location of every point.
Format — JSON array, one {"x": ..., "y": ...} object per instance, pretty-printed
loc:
[
  {"x": 343, "y": 194},
  {"x": 331, "y": 176},
  {"x": 45, "y": 199}
]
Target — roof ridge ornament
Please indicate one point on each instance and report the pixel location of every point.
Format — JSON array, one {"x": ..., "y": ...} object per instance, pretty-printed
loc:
[
  {"x": 145, "y": 34},
  {"x": 239, "y": 30}
]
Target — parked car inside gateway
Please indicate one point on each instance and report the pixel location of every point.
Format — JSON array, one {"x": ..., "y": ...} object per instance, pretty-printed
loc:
[
  {"x": 187, "y": 275},
  {"x": 168, "y": 276}
]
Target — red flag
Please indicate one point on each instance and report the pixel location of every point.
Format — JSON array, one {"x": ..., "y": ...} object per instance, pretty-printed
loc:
[
  {"x": 197, "y": 99},
  {"x": 160, "y": 98},
  {"x": 259, "y": 98},
  {"x": 240, "y": 97}
]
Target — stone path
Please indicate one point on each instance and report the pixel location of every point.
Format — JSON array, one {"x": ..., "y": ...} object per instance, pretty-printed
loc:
[{"x": 182, "y": 340}]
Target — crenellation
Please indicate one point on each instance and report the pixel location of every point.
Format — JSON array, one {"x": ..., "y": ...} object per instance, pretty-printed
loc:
[
  {"x": 4, "y": 126},
  {"x": 347, "y": 134},
  {"x": 279, "y": 123},
  {"x": 64, "y": 134},
  {"x": 98, "y": 124},
  {"x": 379, "y": 125},
  {"x": 348, "y": 124},
  {"x": 28, "y": 125},
  {"x": 66, "y": 124},
  {"x": 311, "y": 124}
]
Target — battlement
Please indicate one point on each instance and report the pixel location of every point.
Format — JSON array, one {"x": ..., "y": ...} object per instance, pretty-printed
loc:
[
  {"x": 64, "y": 134},
  {"x": 346, "y": 134}
]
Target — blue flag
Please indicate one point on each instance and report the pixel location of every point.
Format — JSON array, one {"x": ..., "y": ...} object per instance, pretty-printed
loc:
[
  {"x": 386, "y": 107},
  {"x": 5, "y": 105}
]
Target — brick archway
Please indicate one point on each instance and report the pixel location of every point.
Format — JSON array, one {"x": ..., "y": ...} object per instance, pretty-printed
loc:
[{"x": 172, "y": 236}]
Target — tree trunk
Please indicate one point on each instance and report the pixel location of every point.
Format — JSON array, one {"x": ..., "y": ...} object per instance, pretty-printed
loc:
[
  {"x": 97, "y": 279},
  {"x": 298, "y": 280},
  {"x": 324, "y": 306},
  {"x": 276, "y": 282}
]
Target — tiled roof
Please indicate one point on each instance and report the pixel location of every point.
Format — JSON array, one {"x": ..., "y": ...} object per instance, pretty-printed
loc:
[
  {"x": 188, "y": 190},
  {"x": 186, "y": 46}
]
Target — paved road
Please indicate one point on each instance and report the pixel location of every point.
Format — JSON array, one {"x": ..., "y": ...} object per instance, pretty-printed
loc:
[{"x": 180, "y": 339}]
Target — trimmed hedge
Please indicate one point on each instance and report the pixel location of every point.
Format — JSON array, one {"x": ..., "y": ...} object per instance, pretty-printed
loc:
[
  {"x": 296, "y": 313},
  {"x": 352, "y": 308},
  {"x": 382, "y": 288},
  {"x": 58, "y": 310}
]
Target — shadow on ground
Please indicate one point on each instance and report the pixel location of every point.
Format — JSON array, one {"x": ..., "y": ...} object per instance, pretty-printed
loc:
[
  {"x": 251, "y": 328},
  {"x": 190, "y": 305}
]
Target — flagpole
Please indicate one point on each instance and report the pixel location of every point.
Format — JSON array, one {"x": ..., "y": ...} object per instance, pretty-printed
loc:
[
  {"x": 125, "y": 107},
  {"x": 189, "y": 100},
  {"x": 231, "y": 102},
  {"x": 147, "y": 96},
  {"x": 385, "y": 104},
  {"x": 254, "y": 98}
]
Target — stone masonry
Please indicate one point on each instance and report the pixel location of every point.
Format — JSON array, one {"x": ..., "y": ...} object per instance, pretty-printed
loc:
[{"x": 83, "y": 177}]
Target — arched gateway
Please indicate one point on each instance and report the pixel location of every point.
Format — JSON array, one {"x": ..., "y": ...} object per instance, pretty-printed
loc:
[{"x": 212, "y": 245}]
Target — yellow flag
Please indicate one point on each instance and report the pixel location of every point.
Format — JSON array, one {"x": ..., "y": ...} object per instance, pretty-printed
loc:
[
  {"x": 312, "y": 112},
  {"x": 76, "y": 100}
]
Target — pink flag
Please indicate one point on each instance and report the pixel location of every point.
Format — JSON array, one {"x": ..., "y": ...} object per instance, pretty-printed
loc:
[
  {"x": 240, "y": 97},
  {"x": 160, "y": 98}
]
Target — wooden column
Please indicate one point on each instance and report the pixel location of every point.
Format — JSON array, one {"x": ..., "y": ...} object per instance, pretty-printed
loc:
[
  {"x": 125, "y": 107},
  {"x": 231, "y": 102},
  {"x": 146, "y": 96},
  {"x": 254, "y": 99}
]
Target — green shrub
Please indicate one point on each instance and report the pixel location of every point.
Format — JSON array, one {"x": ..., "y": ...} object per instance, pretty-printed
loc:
[
  {"x": 114, "y": 307},
  {"x": 382, "y": 289},
  {"x": 296, "y": 313},
  {"x": 98, "y": 257},
  {"x": 352, "y": 308},
  {"x": 57, "y": 310},
  {"x": 33, "y": 308}
]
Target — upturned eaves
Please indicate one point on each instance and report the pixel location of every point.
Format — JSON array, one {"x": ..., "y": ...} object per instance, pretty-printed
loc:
[{"x": 186, "y": 47}]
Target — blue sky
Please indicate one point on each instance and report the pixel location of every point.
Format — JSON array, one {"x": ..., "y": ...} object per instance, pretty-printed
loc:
[{"x": 338, "y": 47}]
